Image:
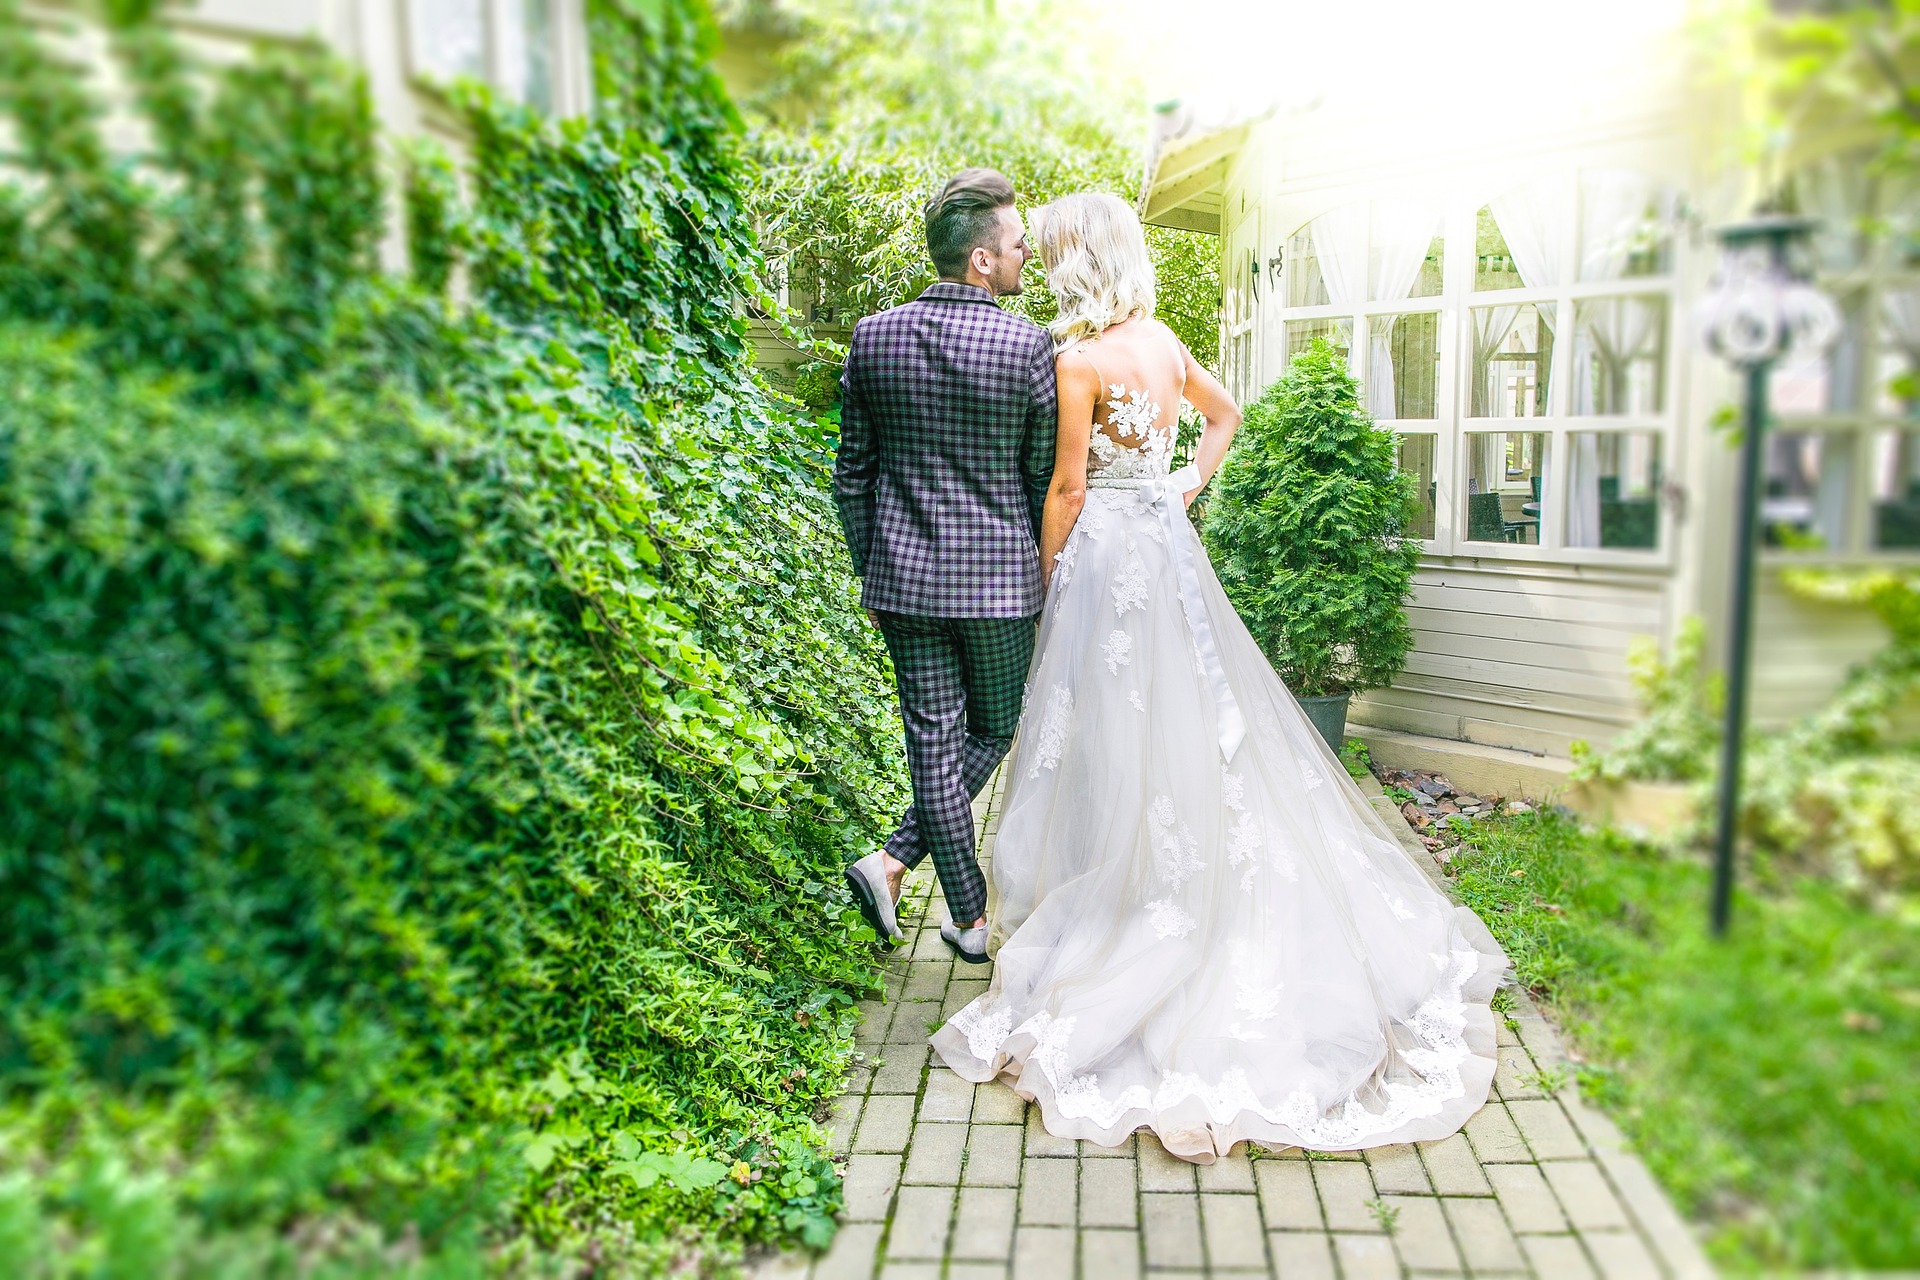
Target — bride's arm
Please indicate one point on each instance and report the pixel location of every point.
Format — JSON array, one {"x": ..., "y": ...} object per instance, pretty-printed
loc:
[
  {"x": 1067, "y": 493},
  {"x": 1205, "y": 394}
]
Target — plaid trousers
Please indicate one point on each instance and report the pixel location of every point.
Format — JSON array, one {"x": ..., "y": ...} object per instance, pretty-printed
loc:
[{"x": 961, "y": 681}]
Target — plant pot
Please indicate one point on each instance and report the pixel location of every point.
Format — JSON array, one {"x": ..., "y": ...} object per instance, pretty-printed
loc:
[{"x": 1329, "y": 715}]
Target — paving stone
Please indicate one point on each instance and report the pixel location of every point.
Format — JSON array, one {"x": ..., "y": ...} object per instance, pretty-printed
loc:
[
  {"x": 977, "y": 1271},
  {"x": 993, "y": 1156},
  {"x": 1228, "y": 1173},
  {"x": 868, "y": 1186},
  {"x": 955, "y": 1000},
  {"x": 1452, "y": 1168},
  {"x": 927, "y": 944},
  {"x": 1042, "y": 1143},
  {"x": 1481, "y": 1230},
  {"x": 1231, "y": 1223},
  {"x": 947, "y": 1098},
  {"x": 1558, "y": 1257},
  {"x": 1287, "y": 1195},
  {"x": 1160, "y": 1171},
  {"x": 1620, "y": 1254},
  {"x": 919, "y": 1228},
  {"x": 1048, "y": 1193},
  {"x": 997, "y": 1104},
  {"x": 885, "y": 1124},
  {"x": 842, "y": 1121},
  {"x": 1513, "y": 1076},
  {"x": 911, "y": 1271},
  {"x": 1108, "y": 1195},
  {"x": 1396, "y": 1170},
  {"x": 1122, "y": 1152},
  {"x": 1366, "y": 1257},
  {"x": 901, "y": 1067},
  {"x": 851, "y": 1256},
  {"x": 875, "y": 1016},
  {"x": 1539, "y": 1037},
  {"x": 933, "y": 1159},
  {"x": 1503, "y": 1033},
  {"x": 927, "y": 979},
  {"x": 1585, "y": 1195},
  {"x": 1302, "y": 1255},
  {"x": 1043, "y": 1253},
  {"x": 984, "y": 1226},
  {"x": 1495, "y": 1137},
  {"x": 1171, "y": 1225},
  {"x": 792, "y": 1265},
  {"x": 1344, "y": 1192},
  {"x": 1420, "y": 1234},
  {"x": 1110, "y": 1255},
  {"x": 911, "y": 1022},
  {"x": 1524, "y": 1194},
  {"x": 1547, "y": 1130}
]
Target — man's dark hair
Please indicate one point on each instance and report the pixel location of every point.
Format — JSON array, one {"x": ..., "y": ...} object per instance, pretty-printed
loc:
[{"x": 961, "y": 218}]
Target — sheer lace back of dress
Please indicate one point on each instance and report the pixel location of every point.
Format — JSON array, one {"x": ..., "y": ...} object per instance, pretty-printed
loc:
[{"x": 1129, "y": 441}]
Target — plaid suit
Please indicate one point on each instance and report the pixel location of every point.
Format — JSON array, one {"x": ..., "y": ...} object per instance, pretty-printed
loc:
[{"x": 947, "y": 424}]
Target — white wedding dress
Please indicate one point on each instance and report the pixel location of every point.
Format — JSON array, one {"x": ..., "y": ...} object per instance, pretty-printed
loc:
[{"x": 1202, "y": 927}]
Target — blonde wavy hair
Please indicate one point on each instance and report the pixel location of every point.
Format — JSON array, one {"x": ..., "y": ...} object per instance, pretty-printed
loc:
[{"x": 1097, "y": 266}]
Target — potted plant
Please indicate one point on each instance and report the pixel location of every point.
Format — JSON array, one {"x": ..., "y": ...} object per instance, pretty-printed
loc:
[{"x": 1306, "y": 529}]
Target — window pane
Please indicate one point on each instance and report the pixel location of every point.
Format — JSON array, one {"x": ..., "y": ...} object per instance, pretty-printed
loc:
[
  {"x": 1403, "y": 366},
  {"x": 1493, "y": 266},
  {"x": 1824, "y": 382},
  {"x": 1506, "y": 477},
  {"x": 1306, "y": 287},
  {"x": 1626, "y": 226},
  {"x": 1895, "y": 393},
  {"x": 1807, "y": 478},
  {"x": 1404, "y": 251},
  {"x": 1338, "y": 330},
  {"x": 1512, "y": 352},
  {"x": 1896, "y": 490},
  {"x": 448, "y": 37},
  {"x": 1416, "y": 459},
  {"x": 1619, "y": 355},
  {"x": 1613, "y": 497}
]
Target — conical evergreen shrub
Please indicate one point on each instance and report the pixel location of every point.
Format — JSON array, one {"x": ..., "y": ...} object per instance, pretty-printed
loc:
[{"x": 1307, "y": 530}]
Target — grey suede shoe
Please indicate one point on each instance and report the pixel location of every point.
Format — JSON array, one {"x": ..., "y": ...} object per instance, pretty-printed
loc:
[
  {"x": 868, "y": 880},
  {"x": 969, "y": 944}
]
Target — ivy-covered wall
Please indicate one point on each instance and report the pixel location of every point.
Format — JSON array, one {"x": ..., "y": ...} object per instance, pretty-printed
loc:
[{"x": 430, "y": 736}]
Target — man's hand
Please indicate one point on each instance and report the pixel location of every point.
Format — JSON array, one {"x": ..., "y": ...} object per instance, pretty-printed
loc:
[{"x": 874, "y": 618}]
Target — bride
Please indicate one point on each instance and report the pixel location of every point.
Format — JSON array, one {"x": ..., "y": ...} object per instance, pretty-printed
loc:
[{"x": 1202, "y": 927}]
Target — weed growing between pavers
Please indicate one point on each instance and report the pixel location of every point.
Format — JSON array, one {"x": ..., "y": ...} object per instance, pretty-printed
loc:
[{"x": 1768, "y": 1078}]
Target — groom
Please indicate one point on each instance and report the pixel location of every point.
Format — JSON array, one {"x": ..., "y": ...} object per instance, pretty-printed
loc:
[{"x": 946, "y": 446}]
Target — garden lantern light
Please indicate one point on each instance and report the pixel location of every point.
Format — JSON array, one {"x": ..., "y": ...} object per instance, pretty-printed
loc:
[{"x": 1759, "y": 310}]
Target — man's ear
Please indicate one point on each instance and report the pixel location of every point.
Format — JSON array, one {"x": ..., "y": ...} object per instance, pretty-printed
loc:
[{"x": 981, "y": 259}]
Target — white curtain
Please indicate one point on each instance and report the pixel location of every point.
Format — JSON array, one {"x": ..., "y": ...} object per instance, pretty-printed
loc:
[
  {"x": 1402, "y": 233},
  {"x": 1583, "y": 506},
  {"x": 1340, "y": 242},
  {"x": 1620, "y": 331},
  {"x": 1491, "y": 325},
  {"x": 1615, "y": 209},
  {"x": 1535, "y": 221}
]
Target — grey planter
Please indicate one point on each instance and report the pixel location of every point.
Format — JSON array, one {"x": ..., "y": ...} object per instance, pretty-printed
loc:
[{"x": 1329, "y": 715}]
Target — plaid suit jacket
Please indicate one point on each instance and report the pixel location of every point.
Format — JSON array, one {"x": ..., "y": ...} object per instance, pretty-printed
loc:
[{"x": 947, "y": 419}]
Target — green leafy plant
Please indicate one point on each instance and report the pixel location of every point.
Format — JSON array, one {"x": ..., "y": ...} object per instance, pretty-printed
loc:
[
  {"x": 1358, "y": 759},
  {"x": 1387, "y": 1215},
  {"x": 1307, "y": 531},
  {"x": 431, "y": 737},
  {"x": 1678, "y": 727}
]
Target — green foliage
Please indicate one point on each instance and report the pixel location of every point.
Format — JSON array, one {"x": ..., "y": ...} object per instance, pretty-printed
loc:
[
  {"x": 1766, "y": 1077},
  {"x": 873, "y": 107},
  {"x": 431, "y": 742},
  {"x": 1680, "y": 705},
  {"x": 1356, "y": 758},
  {"x": 1306, "y": 530}
]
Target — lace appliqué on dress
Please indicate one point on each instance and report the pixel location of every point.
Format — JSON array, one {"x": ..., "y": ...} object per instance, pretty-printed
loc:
[
  {"x": 1053, "y": 730},
  {"x": 1130, "y": 417},
  {"x": 1168, "y": 920},
  {"x": 1176, "y": 852},
  {"x": 1119, "y": 651},
  {"x": 1130, "y": 587}
]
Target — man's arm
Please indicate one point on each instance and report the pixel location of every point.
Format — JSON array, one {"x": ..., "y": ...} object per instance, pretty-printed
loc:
[
  {"x": 1036, "y": 454},
  {"x": 856, "y": 466}
]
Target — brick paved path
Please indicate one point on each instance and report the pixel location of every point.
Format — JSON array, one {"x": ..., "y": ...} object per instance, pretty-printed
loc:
[{"x": 944, "y": 1179}]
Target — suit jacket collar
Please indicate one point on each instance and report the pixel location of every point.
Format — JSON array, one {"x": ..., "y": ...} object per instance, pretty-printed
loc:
[{"x": 954, "y": 291}]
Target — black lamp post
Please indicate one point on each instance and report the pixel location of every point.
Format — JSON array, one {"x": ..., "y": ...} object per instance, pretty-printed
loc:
[{"x": 1757, "y": 312}]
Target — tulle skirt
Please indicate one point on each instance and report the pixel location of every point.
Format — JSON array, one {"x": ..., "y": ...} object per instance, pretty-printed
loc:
[{"x": 1215, "y": 949}]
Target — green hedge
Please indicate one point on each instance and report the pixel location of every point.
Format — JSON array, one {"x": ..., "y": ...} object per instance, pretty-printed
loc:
[{"x": 429, "y": 746}]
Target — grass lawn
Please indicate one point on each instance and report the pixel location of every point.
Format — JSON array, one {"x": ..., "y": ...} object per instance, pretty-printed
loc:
[{"x": 1770, "y": 1080}]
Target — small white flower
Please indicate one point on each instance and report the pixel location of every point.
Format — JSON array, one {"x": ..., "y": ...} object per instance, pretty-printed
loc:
[{"x": 1139, "y": 703}]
